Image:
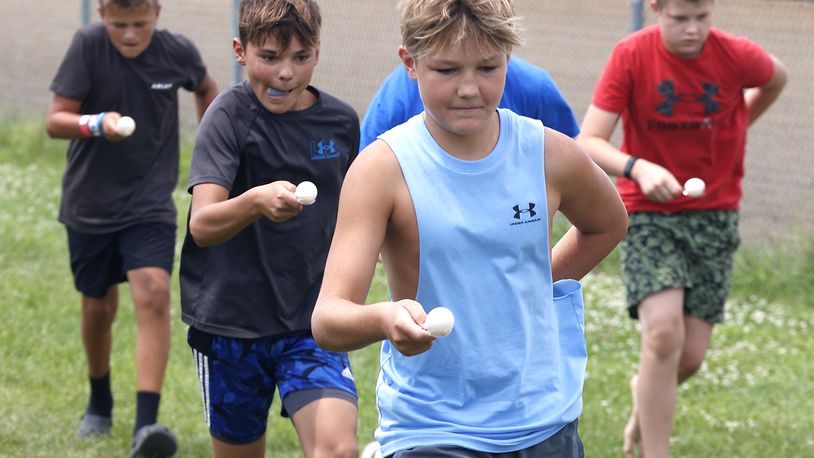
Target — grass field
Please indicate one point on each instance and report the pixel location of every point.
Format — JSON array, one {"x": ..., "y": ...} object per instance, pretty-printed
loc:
[{"x": 753, "y": 398}]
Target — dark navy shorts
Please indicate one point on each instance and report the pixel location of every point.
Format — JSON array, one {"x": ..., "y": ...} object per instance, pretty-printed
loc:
[
  {"x": 99, "y": 261},
  {"x": 238, "y": 378},
  {"x": 564, "y": 444}
]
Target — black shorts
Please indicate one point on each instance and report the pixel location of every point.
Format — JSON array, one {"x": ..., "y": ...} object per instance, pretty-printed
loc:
[{"x": 99, "y": 261}]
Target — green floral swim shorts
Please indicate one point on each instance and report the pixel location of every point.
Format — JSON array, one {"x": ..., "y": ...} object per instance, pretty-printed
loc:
[{"x": 690, "y": 250}]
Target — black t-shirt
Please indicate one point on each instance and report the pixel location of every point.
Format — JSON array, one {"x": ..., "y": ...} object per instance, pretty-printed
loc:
[
  {"x": 108, "y": 186},
  {"x": 265, "y": 280}
]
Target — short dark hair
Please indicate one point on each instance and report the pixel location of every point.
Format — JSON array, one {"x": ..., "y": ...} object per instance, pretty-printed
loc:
[
  {"x": 280, "y": 19},
  {"x": 661, "y": 3},
  {"x": 128, "y": 3}
]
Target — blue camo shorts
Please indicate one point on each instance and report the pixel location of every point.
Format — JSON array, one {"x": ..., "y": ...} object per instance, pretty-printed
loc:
[
  {"x": 690, "y": 250},
  {"x": 238, "y": 378}
]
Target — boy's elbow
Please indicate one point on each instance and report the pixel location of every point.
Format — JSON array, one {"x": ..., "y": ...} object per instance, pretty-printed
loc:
[
  {"x": 618, "y": 230},
  {"x": 781, "y": 75},
  {"x": 198, "y": 234},
  {"x": 621, "y": 227},
  {"x": 199, "y": 241},
  {"x": 321, "y": 336},
  {"x": 51, "y": 128}
]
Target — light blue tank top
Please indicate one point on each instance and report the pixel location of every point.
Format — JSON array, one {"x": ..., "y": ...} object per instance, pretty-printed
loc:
[{"x": 510, "y": 374}]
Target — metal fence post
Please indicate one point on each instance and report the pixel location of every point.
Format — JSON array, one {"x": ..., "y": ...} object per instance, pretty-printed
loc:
[
  {"x": 85, "y": 15},
  {"x": 237, "y": 71},
  {"x": 638, "y": 14}
]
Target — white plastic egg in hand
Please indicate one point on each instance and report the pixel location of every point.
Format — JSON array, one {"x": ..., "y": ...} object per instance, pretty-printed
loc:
[
  {"x": 694, "y": 187},
  {"x": 125, "y": 126},
  {"x": 306, "y": 193},
  {"x": 439, "y": 322}
]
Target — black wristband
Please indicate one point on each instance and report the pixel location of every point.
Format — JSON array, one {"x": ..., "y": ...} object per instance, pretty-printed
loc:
[{"x": 629, "y": 166}]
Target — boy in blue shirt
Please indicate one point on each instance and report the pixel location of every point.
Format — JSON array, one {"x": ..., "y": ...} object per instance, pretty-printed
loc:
[
  {"x": 530, "y": 91},
  {"x": 459, "y": 201}
]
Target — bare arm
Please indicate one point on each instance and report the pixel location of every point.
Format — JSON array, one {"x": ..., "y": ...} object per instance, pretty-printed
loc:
[
  {"x": 759, "y": 99},
  {"x": 656, "y": 182},
  {"x": 588, "y": 199},
  {"x": 340, "y": 321},
  {"x": 205, "y": 94},
  {"x": 594, "y": 137},
  {"x": 62, "y": 120},
  {"x": 214, "y": 218}
]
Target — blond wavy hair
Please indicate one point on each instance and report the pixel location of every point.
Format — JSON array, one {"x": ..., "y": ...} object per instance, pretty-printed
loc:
[{"x": 430, "y": 26}]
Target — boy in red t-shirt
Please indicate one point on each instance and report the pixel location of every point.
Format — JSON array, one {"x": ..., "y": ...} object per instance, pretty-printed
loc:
[{"x": 686, "y": 94}]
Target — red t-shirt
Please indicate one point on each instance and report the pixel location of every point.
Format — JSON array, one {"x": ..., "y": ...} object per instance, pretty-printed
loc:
[{"x": 686, "y": 114}]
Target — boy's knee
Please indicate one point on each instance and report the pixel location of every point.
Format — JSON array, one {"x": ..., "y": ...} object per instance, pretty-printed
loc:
[
  {"x": 151, "y": 289},
  {"x": 663, "y": 341},
  {"x": 339, "y": 448},
  {"x": 158, "y": 291},
  {"x": 98, "y": 309}
]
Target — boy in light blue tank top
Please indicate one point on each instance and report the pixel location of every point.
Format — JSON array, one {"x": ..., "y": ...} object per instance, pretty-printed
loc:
[{"x": 459, "y": 201}]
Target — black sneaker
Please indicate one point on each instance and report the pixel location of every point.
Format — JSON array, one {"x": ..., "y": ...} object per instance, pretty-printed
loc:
[
  {"x": 153, "y": 441},
  {"x": 94, "y": 426}
]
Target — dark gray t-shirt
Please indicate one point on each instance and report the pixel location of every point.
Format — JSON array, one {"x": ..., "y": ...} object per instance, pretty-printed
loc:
[
  {"x": 108, "y": 186},
  {"x": 264, "y": 281}
]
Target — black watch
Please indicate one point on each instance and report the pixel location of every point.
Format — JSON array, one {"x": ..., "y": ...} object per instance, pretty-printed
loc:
[{"x": 629, "y": 167}]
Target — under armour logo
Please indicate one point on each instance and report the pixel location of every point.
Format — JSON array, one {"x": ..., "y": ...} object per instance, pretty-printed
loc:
[
  {"x": 667, "y": 89},
  {"x": 530, "y": 211},
  {"x": 324, "y": 149}
]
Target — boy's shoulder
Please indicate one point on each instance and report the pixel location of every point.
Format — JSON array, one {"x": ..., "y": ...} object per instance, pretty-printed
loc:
[
  {"x": 518, "y": 121},
  {"x": 332, "y": 103},
  {"x": 728, "y": 39},
  {"x": 93, "y": 33},
  {"x": 521, "y": 67},
  {"x": 172, "y": 37},
  {"x": 641, "y": 39},
  {"x": 235, "y": 105},
  {"x": 175, "y": 45}
]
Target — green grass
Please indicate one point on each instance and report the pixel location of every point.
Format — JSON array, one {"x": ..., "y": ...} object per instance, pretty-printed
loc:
[{"x": 753, "y": 398}]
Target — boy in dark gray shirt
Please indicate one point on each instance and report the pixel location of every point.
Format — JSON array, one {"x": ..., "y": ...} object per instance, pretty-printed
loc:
[
  {"x": 116, "y": 195},
  {"x": 253, "y": 258}
]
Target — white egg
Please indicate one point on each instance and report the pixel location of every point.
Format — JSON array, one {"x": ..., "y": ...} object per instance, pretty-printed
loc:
[
  {"x": 125, "y": 126},
  {"x": 306, "y": 193},
  {"x": 439, "y": 322},
  {"x": 694, "y": 187}
]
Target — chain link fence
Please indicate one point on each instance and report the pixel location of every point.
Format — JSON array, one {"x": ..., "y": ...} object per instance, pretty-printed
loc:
[{"x": 571, "y": 39}]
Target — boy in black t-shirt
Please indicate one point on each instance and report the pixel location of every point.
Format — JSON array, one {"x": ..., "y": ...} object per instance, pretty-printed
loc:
[
  {"x": 253, "y": 257},
  {"x": 116, "y": 196}
]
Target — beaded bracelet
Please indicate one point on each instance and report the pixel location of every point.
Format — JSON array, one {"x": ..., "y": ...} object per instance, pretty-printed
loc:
[{"x": 95, "y": 125}]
